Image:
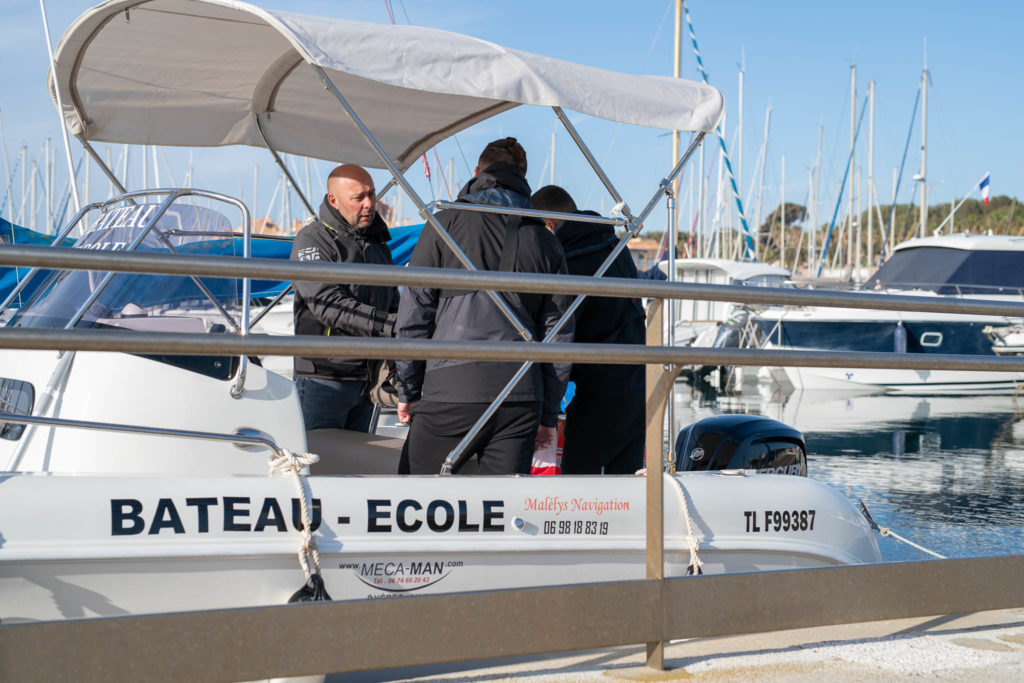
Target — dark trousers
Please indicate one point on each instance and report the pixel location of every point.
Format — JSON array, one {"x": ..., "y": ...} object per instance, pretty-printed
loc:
[
  {"x": 604, "y": 431},
  {"x": 341, "y": 404},
  {"x": 503, "y": 446}
]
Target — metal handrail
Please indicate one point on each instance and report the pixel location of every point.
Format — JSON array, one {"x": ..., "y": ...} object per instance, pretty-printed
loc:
[
  {"x": 365, "y": 273},
  {"x": 371, "y": 274},
  {"x": 14, "y": 418},
  {"x": 309, "y": 346}
]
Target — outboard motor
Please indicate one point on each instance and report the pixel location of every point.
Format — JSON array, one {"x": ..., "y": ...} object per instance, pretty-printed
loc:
[{"x": 741, "y": 442}]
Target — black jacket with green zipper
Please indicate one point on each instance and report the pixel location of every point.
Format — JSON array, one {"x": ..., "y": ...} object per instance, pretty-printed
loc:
[{"x": 336, "y": 309}]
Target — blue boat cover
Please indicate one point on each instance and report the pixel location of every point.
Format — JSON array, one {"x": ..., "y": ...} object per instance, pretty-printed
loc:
[{"x": 403, "y": 239}]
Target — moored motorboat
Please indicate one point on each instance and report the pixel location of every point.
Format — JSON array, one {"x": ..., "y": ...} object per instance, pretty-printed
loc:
[
  {"x": 137, "y": 483},
  {"x": 980, "y": 267}
]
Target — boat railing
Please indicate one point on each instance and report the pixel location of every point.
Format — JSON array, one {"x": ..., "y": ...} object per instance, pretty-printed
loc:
[
  {"x": 169, "y": 197},
  {"x": 245, "y": 439}
]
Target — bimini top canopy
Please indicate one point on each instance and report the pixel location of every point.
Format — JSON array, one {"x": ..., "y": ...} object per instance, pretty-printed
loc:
[{"x": 195, "y": 72}]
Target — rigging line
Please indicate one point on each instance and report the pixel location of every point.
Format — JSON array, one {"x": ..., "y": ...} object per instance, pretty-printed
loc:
[
  {"x": 842, "y": 186},
  {"x": 1009, "y": 217},
  {"x": 406, "y": 13},
  {"x": 899, "y": 178},
  {"x": 909, "y": 218},
  {"x": 657, "y": 34},
  {"x": 9, "y": 190},
  {"x": 469, "y": 171},
  {"x": 647, "y": 59},
  {"x": 721, "y": 142},
  {"x": 443, "y": 176},
  {"x": 426, "y": 166},
  {"x": 701, "y": 199}
]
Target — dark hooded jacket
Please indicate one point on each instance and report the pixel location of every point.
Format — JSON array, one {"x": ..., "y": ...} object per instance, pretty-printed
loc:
[
  {"x": 602, "y": 320},
  {"x": 459, "y": 315},
  {"x": 341, "y": 310}
]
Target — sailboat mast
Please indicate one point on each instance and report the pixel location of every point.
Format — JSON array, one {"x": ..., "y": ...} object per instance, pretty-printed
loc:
[
  {"x": 552, "y": 182},
  {"x": 871, "y": 174},
  {"x": 853, "y": 138},
  {"x": 739, "y": 140},
  {"x": 782, "y": 215},
  {"x": 701, "y": 205},
  {"x": 60, "y": 109},
  {"x": 762, "y": 161},
  {"x": 812, "y": 245},
  {"x": 255, "y": 194},
  {"x": 677, "y": 56},
  {"x": 924, "y": 151}
]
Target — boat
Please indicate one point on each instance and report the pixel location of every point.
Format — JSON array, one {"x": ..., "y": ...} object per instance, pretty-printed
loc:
[
  {"x": 1007, "y": 340},
  {"x": 967, "y": 266},
  {"x": 697, "y": 322},
  {"x": 138, "y": 483}
]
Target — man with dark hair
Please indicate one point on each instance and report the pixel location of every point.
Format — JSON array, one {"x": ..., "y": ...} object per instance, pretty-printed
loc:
[
  {"x": 604, "y": 423},
  {"x": 442, "y": 399},
  {"x": 333, "y": 391}
]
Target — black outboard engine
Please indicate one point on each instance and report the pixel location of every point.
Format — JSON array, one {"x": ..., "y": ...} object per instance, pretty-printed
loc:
[{"x": 741, "y": 442}]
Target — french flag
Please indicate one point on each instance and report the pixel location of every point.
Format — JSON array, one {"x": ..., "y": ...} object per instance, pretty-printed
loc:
[{"x": 984, "y": 188}]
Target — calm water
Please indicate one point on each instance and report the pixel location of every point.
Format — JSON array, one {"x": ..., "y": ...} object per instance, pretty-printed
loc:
[{"x": 944, "y": 472}]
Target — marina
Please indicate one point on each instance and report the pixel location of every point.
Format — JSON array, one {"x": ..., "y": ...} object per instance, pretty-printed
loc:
[{"x": 162, "y": 485}]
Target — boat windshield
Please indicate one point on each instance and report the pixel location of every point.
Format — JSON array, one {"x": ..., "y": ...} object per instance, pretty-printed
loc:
[
  {"x": 951, "y": 271},
  {"x": 142, "y": 301}
]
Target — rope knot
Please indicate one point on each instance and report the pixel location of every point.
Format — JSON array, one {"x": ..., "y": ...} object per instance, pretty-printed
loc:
[{"x": 291, "y": 463}]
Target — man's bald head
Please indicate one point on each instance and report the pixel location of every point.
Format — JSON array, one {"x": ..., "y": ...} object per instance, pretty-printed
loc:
[{"x": 350, "y": 191}]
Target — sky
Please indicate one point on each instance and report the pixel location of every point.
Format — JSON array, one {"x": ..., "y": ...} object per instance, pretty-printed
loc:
[{"x": 796, "y": 57}]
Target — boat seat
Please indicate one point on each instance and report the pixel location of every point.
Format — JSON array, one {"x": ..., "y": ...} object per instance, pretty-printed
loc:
[{"x": 343, "y": 451}]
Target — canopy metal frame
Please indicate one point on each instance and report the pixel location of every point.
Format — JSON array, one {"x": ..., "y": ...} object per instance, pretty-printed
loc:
[
  {"x": 634, "y": 226},
  {"x": 632, "y": 223}
]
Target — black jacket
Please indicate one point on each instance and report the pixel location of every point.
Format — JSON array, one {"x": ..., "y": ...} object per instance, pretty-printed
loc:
[
  {"x": 473, "y": 316},
  {"x": 603, "y": 320},
  {"x": 341, "y": 310}
]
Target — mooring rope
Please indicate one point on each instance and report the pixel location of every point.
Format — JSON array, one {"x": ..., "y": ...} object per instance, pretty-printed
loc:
[
  {"x": 695, "y": 565},
  {"x": 293, "y": 463},
  {"x": 885, "y": 531}
]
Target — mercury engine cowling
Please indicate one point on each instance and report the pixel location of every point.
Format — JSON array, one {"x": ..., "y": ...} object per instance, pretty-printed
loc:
[{"x": 741, "y": 442}]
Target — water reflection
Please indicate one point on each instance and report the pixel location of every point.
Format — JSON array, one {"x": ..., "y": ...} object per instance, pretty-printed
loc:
[{"x": 945, "y": 472}]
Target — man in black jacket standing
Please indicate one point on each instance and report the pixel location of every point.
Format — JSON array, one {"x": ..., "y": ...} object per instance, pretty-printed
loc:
[
  {"x": 604, "y": 424},
  {"x": 333, "y": 391},
  {"x": 442, "y": 399}
]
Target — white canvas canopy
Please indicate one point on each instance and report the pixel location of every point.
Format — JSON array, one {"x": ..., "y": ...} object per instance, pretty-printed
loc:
[{"x": 195, "y": 72}]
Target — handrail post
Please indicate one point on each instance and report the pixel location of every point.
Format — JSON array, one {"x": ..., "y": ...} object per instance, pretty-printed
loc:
[{"x": 655, "y": 526}]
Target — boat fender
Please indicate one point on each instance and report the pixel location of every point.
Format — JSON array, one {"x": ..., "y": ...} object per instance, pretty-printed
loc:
[
  {"x": 313, "y": 591},
  {"x": 899, "y": 338}
]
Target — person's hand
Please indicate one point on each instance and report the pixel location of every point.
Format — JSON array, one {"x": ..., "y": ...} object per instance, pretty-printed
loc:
[
  {"x": 403, "y": 412},
  {"x": 545, "y": 437}
]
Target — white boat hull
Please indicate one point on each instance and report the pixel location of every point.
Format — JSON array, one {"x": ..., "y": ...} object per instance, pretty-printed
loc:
[
  {"x": 105, "y": 546},
  {"x": 909, "y": 382}
]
